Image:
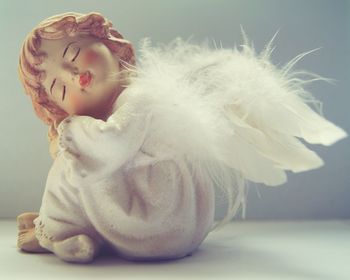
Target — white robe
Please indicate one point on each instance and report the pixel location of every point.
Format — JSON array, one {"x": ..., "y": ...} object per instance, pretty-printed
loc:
[{"x": 150, "y": 207}]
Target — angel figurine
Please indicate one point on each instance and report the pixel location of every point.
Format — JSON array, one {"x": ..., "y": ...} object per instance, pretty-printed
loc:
[{"x": 140, "y": 148}]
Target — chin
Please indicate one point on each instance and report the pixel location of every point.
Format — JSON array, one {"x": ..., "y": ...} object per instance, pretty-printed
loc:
[{"x": 99, "y": 112}]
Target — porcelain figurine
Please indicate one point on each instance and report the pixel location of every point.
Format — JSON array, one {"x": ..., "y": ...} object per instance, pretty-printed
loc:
[{"x": 141, "y": 146}]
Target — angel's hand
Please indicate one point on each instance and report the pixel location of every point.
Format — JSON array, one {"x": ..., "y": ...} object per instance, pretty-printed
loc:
[
  {"x": 95, "y": 146},
  {"x": 80, "y": 135}
]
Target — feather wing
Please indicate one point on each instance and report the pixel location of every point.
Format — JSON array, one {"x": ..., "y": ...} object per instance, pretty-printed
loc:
[
  {"x": 233, "y": 114},
  {"x": 232, "y": 106}
]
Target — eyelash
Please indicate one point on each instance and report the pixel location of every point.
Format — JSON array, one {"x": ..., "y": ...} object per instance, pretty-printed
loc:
[
  {"x": 76, "y": 55},
  {"x": 64, "y": 92},
  {"x": 53, "y": 83}
]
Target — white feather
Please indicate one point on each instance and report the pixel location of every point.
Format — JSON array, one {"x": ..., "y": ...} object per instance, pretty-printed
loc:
[{"x": 230, "y": 113}]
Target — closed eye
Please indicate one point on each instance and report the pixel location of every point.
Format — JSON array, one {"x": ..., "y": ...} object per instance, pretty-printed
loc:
[
  {"x": 76, "y": 55},
  {"x": 53, "y": 83},
  {"x": 64, "y": 92}
]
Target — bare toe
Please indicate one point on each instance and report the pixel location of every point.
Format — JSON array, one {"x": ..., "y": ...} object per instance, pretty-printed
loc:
[{"x": 27, "y": 241}]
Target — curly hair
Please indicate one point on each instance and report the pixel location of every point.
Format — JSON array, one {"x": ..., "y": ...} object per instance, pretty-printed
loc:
[{"x": 57, "y": 27}]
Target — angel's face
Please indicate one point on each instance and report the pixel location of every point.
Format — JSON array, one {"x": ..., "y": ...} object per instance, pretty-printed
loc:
[{"x": 80, "y": 74}]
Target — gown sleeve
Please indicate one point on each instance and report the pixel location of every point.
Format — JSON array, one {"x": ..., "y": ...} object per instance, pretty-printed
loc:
[{"x": 90, "y": 146}]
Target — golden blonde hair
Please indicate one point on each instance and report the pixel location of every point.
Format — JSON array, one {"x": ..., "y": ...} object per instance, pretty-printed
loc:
[{"x": 57, "y": 27}]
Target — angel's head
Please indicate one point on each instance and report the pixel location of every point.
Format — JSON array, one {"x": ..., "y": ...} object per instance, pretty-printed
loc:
[
  {"x": 74, "y": 64},
  {"x": 71, "y": 64}
]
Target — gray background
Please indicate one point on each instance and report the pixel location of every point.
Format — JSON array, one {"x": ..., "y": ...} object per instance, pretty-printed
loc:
[{"x": 319, "y": 194}]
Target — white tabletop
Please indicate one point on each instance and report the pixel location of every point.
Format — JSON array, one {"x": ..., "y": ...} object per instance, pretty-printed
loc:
[{"x": 241, "y": 250}]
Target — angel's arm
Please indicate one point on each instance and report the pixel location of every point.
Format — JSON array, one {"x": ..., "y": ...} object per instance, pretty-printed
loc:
[{"x": 93, "y": 144}]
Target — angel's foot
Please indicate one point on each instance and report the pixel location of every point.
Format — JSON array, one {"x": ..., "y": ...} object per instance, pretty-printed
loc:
[
  {"x": 79, "y": 249},
  {"x": 25, "y": 220},
  {"x": 26, "y": 234},
  {"x": 27, "y": 241}
]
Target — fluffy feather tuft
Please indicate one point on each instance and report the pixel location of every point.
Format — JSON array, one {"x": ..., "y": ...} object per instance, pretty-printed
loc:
[{"x": 232, "y": 114}]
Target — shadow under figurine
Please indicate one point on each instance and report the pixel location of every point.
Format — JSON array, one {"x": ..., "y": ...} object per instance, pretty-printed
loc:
[{"x": 139, "y": 151}]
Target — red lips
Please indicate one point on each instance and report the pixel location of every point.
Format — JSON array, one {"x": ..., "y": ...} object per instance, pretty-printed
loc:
[{"x": 85, "y": 79}]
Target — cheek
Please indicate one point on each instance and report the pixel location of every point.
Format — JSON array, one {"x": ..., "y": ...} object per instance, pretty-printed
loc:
[{"x": 90, "y": 57}]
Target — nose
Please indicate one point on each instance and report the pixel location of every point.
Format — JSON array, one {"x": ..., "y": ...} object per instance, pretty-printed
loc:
[{"x": 85, "y": 79}]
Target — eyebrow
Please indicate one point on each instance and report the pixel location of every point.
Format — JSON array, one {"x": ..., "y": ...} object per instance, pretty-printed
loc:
[
  {"x": 53, "y": 83},
  {"x": 66, "y": 49}
]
